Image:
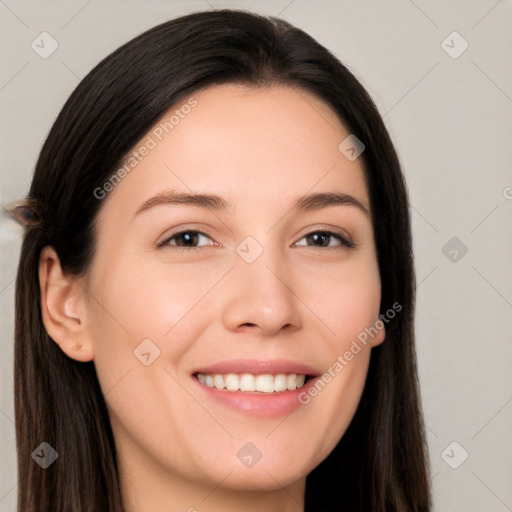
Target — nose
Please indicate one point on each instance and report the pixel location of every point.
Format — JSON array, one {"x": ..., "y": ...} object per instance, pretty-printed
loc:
[{"x": 261, "y": 297}]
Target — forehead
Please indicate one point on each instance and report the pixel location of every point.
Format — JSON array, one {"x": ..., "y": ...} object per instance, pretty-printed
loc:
[{"x": 244, "y": 143}]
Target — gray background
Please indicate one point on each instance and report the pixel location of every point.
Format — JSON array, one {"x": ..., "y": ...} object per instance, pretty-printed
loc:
[{"x": 451, "y": 120}]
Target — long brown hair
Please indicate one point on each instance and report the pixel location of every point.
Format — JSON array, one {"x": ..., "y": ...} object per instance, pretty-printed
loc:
[{"x": 381, "y": 463}]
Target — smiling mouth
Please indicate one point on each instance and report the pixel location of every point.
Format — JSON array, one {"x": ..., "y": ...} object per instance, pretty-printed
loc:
[{"x": 248, "y": 382}]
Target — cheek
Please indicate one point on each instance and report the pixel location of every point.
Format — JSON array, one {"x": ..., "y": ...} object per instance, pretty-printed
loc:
[
  {"x": 349, "y": 307},
  {"x": 136, "y": 312},
  {"x": 150, "y": 302},
  {"x": 348, "y": 303}
]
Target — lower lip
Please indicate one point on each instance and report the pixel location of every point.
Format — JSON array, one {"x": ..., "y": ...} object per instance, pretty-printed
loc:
[{"x": 265, "y": 405}]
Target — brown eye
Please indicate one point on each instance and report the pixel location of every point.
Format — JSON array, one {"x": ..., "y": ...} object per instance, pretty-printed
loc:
[
  {"x": 185, "y": 239},
  {"x": 323, "y": 239}
]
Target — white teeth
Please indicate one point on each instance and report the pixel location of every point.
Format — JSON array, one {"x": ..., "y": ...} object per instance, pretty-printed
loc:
[
  {"x": 280, "y": 382},
  {"x": 232, "y": 382},
  {"x": 265, "y": 383},
  {"x": 248, "y": 382},
  {"x": 291, "y": 381},
  {"x": 218, "y": 381}
]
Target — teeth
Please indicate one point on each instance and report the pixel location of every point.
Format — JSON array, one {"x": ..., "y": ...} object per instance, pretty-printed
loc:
[
  {"x": 249, "y": 382},
  {"x": 280, "y": 383},
  {"x": 218, "y": 381},
  {"x": 265, "y": 383},
  {"x": 291, "y": 381},
  {"x": 232, "y": 382}
]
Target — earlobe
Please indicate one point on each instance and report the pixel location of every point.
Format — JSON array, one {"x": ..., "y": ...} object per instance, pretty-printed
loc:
[
  {"x": 381, "y": 335},
  {"x": 62, "y": 307}
]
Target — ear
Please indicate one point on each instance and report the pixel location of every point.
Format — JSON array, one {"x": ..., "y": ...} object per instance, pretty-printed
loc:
[
  {"x": 381, "y": 334},
  {"x": 63, "y": 307}
]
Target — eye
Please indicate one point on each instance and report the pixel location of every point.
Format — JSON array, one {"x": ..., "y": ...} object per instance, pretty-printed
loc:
[
  {"x": 189, "y": 239},
  {"x": 185, "y": 239},
  {"x": 323, "y": 239}
]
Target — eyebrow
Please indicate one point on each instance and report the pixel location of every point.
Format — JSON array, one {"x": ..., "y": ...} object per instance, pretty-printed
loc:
[{"x": 308, "y": 202}]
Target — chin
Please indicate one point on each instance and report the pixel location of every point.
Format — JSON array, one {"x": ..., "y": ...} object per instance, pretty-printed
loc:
[{"x": 262, "y": 480}]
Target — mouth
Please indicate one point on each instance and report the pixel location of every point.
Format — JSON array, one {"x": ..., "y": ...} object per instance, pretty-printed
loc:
[
  {"x": 264, "y": 389},
  {"x": 250, "y": 383}
]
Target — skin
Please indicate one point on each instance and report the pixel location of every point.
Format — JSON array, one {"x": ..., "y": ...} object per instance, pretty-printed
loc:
[{"x": 260, "y": 149}]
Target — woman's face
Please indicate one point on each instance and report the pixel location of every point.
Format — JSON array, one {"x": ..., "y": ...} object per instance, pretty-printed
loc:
[{"x": 185, "y": 290}]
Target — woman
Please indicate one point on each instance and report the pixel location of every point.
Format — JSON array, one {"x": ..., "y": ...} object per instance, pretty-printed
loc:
[{"x": 214, "y": 301}]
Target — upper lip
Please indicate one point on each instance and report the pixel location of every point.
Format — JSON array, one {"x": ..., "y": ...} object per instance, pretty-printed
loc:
[{"x": 258, "y": 367}]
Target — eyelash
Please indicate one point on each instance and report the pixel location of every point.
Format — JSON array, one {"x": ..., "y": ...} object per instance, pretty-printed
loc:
[{"x": 344, "y": 242}]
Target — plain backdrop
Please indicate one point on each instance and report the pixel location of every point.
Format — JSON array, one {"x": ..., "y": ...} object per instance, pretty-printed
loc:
[{"x": 446, "y": 99}]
